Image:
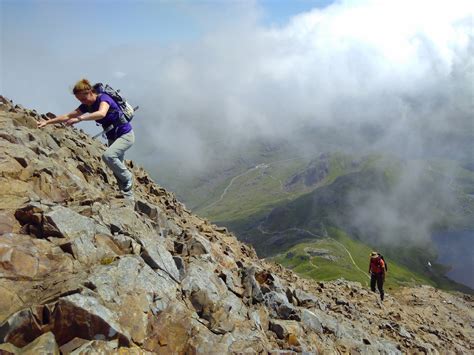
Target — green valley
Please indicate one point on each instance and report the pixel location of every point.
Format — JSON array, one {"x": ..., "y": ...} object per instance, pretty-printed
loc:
[{"x": 321, "y": 215}]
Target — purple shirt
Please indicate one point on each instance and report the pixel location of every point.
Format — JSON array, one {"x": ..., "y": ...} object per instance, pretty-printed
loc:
[{"x": 111, "y": 117}]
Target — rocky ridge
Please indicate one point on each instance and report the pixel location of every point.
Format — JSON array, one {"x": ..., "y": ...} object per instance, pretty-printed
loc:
[{"x": 84, "y": 271}]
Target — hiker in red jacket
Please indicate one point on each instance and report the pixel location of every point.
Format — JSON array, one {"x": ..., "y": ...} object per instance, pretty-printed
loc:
[{"x": 377, "y": 272}]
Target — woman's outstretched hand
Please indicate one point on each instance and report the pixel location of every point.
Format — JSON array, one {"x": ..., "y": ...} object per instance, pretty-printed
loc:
[
  {"x": 42, "y": 123},
  {"x": 72, "y": 121}
]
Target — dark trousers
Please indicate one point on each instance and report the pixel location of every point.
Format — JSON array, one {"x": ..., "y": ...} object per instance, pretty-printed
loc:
[{"x": 379, "y": 279}]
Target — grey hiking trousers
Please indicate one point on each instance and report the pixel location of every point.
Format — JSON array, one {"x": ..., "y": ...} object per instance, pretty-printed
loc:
[{"x": 114, "y": 158}]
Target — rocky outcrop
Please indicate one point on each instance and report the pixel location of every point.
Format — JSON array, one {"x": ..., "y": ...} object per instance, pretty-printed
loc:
[
  {"x": 84, "y": 271},
  {"x": 315, "y": 172}
]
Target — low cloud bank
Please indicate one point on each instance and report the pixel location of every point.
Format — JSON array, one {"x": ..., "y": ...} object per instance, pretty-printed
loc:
[{"x": 399, "y": 72}]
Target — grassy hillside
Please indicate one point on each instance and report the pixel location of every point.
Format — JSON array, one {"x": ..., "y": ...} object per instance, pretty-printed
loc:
[
  {"x": 258, "y": 189},
  {"x": 337, "y": 255}
]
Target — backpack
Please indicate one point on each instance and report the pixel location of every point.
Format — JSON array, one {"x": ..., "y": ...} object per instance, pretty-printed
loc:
[
  {"x": 385, "y": 263},
  {"x": 127, "y": 110}
]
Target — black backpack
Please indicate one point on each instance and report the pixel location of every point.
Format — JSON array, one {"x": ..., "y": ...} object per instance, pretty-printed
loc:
[
  {"x": 385, "y": 263},
  {"x": 127, "y": 110}
]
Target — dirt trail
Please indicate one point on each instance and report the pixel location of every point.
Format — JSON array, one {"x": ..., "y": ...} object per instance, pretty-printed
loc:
[
  {"x": 259, "y": 166},
  {"x": 260, "y": 228}
]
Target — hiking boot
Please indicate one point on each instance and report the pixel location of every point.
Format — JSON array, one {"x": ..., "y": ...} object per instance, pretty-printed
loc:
[
  {"x": 128, "y": 187},
  {"x": 129, "y": 200}
]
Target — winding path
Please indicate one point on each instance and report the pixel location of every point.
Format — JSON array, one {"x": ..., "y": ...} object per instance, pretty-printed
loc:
[
  {"x": 228, "y": 186},
  {"x": 317, "y": 236},
  {"x": 263, "y": 165}
]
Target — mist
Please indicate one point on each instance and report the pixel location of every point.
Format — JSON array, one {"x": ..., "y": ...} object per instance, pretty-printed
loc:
[
  {"x": 400, "y": 69},
  {"x": 403, "y": 70},
  {"x": 417, "y": 200}
]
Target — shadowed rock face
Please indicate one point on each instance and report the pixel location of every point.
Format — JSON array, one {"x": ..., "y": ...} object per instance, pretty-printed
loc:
[
  {"x": 83, "y": 271},
  {"x": 311, "y": 175}
]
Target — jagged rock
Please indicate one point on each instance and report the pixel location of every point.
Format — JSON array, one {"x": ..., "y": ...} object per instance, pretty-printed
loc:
[
  {"x": 8, "y": 349},
  {"x": 64, "y": 222},
  {"x": 259, "y": 316},
  {"x": 280, "y": 307},
  {"x": 98, "y": 322},
  {"x": 310, "y": 320},
  {"x": 44, "y": 344},
  {"x": 9, "y": 301},
  {"x": 251, "y": 286},
  {"x": 168, "y": 227},
  {"x": 268, "y": 282},
  {"x": 10, "y": 167},
  {"x": 341, "y": 301},
  {"x": 244, "y": 341},
  {"x": 158, "y": 257},
  {"x": 130, "y": 276},
  {"x": 15, "y": 195},
  {"x": 180, "y": 248},
  {"x": 288, "y": 330},
  {"x": 232, "y": 282},
  {"x": 72, "y": 345},
  {"x": 199, "y": 278},
  {"x": 97, "y": 347},
  {"x": 197, "y": 245},
  {"x": 304, "y": 299},
  {"x": 220, "y": 308},
  {"x": 73, "y": 316},
  {"x": 181, "y": 266},
  {"x": 23, "y": 257},
  {"x": 146, "y": 208},
  {"x": 279, "y": 329},
  {"x": 123, "y": 220},
  {"x": 404, "y": 333},
  {"x": 173, "y": 329},
  {"x": 126, "y": 245}
]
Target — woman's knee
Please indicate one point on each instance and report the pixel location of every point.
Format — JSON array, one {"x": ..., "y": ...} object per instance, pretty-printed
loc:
[{"x": 107, "y": 157}]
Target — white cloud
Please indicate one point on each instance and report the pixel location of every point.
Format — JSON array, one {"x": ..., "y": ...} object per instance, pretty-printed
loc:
[
  {"x": 119, "y": 74},
  {"x": 403, "y": 65}
]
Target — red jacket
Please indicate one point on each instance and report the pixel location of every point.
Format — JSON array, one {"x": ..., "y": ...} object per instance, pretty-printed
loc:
[{"x": 377, "y": 265}]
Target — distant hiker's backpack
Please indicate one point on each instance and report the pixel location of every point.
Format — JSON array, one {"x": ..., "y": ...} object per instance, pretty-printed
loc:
[
  {"x": 127, "y": 109},
  {"x": 381, "y": 257}
]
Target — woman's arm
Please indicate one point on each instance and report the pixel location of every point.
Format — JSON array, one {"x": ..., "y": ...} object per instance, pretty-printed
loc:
[
  {"x": 61, "y": 118},
  {"x": 93, "y": 116}
]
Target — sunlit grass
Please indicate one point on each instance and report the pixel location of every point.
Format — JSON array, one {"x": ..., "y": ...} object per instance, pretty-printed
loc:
[{"x": 320, "y": 268}]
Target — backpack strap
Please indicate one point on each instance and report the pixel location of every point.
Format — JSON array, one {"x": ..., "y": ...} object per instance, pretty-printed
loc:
[
  {"x": 105, "y": 131},
  {"x": 121, "y": 121}
]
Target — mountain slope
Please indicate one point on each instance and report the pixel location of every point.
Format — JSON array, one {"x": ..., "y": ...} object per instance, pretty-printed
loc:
[{"x": 84, "y": 271}]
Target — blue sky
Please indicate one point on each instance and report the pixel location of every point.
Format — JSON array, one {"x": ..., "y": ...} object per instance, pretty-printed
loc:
[
  {"x": 121, "y": 21},
  {"x": 61, "y": 36}
]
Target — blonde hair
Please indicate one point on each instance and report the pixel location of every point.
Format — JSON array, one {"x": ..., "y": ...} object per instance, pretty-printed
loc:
[{"x": 82, "y": 85}]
